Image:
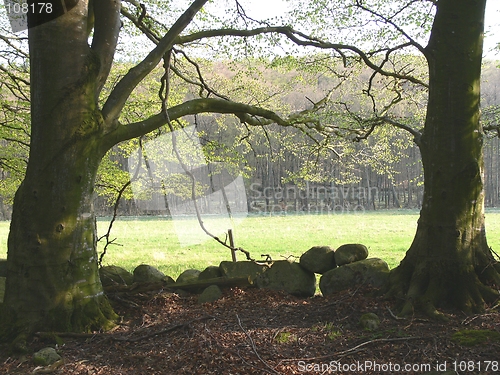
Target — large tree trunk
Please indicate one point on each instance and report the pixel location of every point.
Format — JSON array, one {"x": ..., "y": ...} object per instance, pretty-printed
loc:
[
  {"x": 449, "y": 262},
  {"x": 52, "y": 276},
  {"x": 52, "y": 279}
]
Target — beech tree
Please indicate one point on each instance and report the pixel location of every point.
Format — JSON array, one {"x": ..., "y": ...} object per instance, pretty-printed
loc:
[
  {"x": 449, "y": 262},
  {"x": 52, "y": 277}
]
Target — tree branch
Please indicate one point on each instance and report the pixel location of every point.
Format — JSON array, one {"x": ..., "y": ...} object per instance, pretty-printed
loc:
[
  {"x": 246, "y": 113},
  {"x": 390, "y": 22},
  {"x": 302, "y": 39},
  {"x": 416, "y": 134},
  {"x": 15, "y": 78},
  {"x": 19, "y": 52},
  {"x": 202, "y": 84},
  {"x": 139, "y": 21},
  {"x": 118, "y": 97},
  {"x": 106, "y": 30}
]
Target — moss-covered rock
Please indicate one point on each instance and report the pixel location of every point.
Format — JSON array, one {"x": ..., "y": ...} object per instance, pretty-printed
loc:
[
  {"x": 369, "y": 321},
  {"x": 211, "y": 272},
  {"x": 242, "y": 269},
  {"x": 46, "y": 357},
  {"x": 371, "y": 271},
  {"x": 318, "y": 259},
  {"x": 290, "y": 277},
  {"x": 147, "y": 274},
  {"x": 112, "y": 275},
  {"x": 350, "y": 253},
  {"x": 188, "y": 276},
  {"x": 210, "y": 294}
]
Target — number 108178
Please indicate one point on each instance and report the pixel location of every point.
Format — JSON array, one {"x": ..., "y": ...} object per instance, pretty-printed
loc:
[
  {"x": 24, "y": 8},
  {"x": 492, "y": 366}
]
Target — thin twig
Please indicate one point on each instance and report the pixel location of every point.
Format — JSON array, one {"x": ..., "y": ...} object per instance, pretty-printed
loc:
[
  {"x": 115, "y": 209},
  {"x": 126, "y": 339},
  {"x": 49, "y": 369},
  {"x": 162, "y": 331},
  {"x": 113, "y": 219},
  {"x": 356, "y": 348},
  {"x": 254, "y": 347},
  {"x": 237, "y": 354},
  {"x": 395, "y": 316}
]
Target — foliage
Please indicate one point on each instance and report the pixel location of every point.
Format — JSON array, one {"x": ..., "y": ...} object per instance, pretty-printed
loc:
[
  {"x": 284, "y": 83},
  {"x": 14, "y": 116}
]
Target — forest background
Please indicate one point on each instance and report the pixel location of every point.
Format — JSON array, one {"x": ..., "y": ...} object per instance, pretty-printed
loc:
[{"x": 284, "y": 169}]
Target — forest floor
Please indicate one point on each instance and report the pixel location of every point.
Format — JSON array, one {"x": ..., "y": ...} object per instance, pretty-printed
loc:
[{"x": 251, "y": 331}]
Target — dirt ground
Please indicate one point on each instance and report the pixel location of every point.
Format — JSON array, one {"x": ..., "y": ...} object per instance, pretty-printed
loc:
[{"x": 251, "y": 331}]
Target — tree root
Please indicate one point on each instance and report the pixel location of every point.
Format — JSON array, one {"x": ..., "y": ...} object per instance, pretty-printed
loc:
[
  {"x": 121, "y": 339},
  {"x": 424, "y": 289}
]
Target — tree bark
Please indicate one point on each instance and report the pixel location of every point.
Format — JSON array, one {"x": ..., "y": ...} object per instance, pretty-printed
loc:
[
  {"x": 449, "y": 262},
  {"x": 52, "y": 279}
]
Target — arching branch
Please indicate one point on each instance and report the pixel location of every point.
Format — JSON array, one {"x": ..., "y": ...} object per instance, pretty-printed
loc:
[
  {"x": 304, "y": 40},
  {"x": 118, "y": 97},
  {"x": 247, "y": 114}
]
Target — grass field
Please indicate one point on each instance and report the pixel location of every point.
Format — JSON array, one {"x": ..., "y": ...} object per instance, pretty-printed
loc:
[{"x": 154, "y": 241}]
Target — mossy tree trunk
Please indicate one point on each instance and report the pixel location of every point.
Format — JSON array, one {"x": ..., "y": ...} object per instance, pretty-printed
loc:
[
  {"x": 52, "y": 276},
  {"x": 52, "y": 281},
  {"x": 449, "y": 262}
]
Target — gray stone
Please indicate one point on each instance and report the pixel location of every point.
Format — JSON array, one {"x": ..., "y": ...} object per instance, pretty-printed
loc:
[
  {"x": 210, "y": 272},
  {"x": 3, "y": 267},
  {"x": 242, "y": 269},
  {"x": 112, "y": 275},
  {"x": 46, "y": 357},
  {"x": 371, "y": 271},
  {"x": 2, "y": 288},
  {"x": 318, "y": 259},
  {"x": 188, "y": 276},
  {"x": 369, "y": 321},
  {"x": 210, "y": 294},
  {"x": 290, "y": 277},
  {"x": 147, "y": 274},
  {"x": 350, "y": 253}
]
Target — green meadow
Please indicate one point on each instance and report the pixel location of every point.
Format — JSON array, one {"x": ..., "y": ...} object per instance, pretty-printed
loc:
[{"x": 173, "y": 246}]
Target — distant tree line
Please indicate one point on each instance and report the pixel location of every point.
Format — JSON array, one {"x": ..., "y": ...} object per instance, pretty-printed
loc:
[
  {"x": 287, "y": 170},
  {"x": 284, "y": 169}
]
